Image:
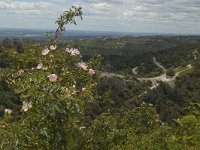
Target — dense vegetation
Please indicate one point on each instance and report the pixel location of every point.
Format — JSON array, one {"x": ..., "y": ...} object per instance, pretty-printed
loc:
[{"x": 57, "y": 98}]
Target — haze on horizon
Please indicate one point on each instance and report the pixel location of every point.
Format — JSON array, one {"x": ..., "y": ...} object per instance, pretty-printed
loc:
[{"x": 151, "y": 16}]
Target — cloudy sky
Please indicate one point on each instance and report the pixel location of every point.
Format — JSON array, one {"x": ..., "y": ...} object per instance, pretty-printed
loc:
[{"x": 160, "y": 16}]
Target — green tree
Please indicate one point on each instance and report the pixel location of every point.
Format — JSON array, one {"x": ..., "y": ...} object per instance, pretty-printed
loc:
[{"x": 170, "y": 73}]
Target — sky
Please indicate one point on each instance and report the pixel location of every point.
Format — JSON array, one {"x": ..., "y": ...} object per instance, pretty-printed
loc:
[{"x": 146, "y": 16}]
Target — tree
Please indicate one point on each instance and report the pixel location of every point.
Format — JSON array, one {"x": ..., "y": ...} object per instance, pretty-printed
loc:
[
  {"x": 170, "y": 73},
  {"x": 7, "y": 43}
]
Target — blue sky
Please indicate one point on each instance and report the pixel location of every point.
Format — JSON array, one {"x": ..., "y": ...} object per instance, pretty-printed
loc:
[{"x": 160, "y": 16}]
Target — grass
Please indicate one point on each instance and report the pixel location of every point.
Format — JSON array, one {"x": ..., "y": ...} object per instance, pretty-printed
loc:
[
  {"x": 188, "y": 71},
  {"x": 153, "y": 73},
  {"x": 178, "y": 69}
]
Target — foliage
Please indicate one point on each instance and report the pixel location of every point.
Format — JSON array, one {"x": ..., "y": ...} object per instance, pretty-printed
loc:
[
  {"x": 54, "y": 89},
  {"x": 56, "y": 101},
  {"x": 170, "y": 73},
  {"x": 68, "y": 17}
]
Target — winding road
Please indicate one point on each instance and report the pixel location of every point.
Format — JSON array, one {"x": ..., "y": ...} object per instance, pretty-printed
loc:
[
  {"x": 154, "y": 80},
  {"x": 164, "y": 77}
]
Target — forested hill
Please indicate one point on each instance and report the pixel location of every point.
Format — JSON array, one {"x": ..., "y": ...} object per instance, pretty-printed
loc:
[
  {"x": 129, "y": 46},
  {"x": 97, "y": 100}
]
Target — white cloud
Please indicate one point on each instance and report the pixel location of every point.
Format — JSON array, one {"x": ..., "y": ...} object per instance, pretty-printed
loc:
[
  {"x": 24, "y": 5},
  {"x": 115, "y": 14},
  {"x": 147, "y": 10},
  {"x": 101, "y": 6},
  {"x": 31, "y": 7}
]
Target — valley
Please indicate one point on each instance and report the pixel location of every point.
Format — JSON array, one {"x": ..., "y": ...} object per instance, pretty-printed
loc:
[
  {"x": 131, "y": 73},
  {"x": 99, "y": 75}
]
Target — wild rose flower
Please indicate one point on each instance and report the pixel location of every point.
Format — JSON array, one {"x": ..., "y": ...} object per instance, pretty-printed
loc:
[
  {"x": 45, "y": 51},
  {"x": 73, "y": 51},
  {"x": 39, "y": 66},
  {"x": 8, "y": 111},
  {"x": 26, "y": 106},
  {"x": 53, "y": 47},
  {"x": 82, "y": 65},
  {"x": 53, "y": 77},
  {"x": 82, "y": 127},
  {"x": 20, "y": 72},
  {"x": 68, "y": 50},
  {"x": 91, "y": 71}
]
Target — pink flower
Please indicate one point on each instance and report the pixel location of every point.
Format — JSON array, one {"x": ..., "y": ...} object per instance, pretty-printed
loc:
[
  {"x": 53, "y": 47},
  {"x": 73, "y": 51},
  {"x": 91, "y": 71},
  {"x": 8, "y": 111},
  {"x": 39, "y": 66},
  {"x": 82, "y": 65},
  {"x": 53, "y": 77},
  {"x": 26, "y": 106},
  {"x": 45, "y": 51}
]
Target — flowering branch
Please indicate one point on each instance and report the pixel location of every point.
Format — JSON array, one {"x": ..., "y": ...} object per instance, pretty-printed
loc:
[{"x": 68, "y": 17}]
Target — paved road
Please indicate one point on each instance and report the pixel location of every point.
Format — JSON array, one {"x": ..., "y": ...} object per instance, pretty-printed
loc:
[
  {"x": 110, "y": 75},
  {"x": 134, "y": 70},
  {"x": 163, "y": 77},
  {"x": 154, "y": 80}
]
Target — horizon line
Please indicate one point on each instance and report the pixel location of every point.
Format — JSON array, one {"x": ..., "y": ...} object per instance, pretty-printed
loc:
[{"x": 122, "y": 32}]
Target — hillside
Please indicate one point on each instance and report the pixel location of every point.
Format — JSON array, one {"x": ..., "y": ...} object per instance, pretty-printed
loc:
[
  {"x": 134, "y": 94},
  {"x": 134, "y": 87}
]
